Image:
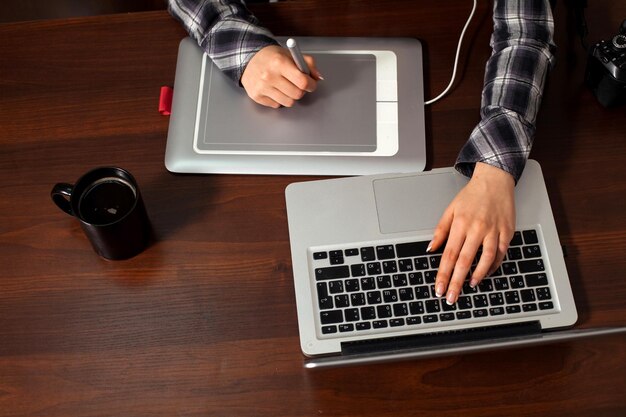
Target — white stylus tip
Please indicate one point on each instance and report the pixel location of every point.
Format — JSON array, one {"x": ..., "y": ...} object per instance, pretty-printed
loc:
[{"x": 291, "y": 43}]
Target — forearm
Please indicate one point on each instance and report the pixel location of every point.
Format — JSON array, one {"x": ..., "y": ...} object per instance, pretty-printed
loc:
[
  {"x": 227, "y": 31},
  {"x": 515, "y": 74}
]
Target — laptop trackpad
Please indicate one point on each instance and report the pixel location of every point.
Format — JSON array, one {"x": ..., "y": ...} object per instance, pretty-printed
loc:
[{"x": 415, "y": 202}]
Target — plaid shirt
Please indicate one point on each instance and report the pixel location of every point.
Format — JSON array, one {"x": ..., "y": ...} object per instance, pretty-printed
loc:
[{"x": 522, "y": 43}]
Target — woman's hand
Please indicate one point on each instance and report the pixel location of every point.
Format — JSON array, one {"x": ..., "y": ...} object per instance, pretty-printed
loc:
[
  {"x": 482, "y": 214},
  {"x": 272, "y": 79}
]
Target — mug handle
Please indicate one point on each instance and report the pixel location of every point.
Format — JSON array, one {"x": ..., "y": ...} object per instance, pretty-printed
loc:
[{"x": 61, "y": 194}]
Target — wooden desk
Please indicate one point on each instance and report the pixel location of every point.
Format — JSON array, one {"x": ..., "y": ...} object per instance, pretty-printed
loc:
[{"x": 203, "y": 323}]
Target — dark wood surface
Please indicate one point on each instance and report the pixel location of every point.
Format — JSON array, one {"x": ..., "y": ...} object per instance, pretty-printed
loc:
[{"x": 203, "y": 323}]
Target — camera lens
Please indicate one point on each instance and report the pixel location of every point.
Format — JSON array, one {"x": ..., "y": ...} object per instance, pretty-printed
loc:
[{"x": 619, "y": 41}]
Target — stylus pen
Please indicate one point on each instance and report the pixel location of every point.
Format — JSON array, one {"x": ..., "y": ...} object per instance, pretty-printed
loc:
[{"x": 297, "y": 56}]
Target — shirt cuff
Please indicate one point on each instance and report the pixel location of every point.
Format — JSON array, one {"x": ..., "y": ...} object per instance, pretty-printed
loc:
[{"x": 502, "y": 139}]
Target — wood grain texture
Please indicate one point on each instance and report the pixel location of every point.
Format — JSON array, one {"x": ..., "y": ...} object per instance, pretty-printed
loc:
[{"x": 204, "y": 321}]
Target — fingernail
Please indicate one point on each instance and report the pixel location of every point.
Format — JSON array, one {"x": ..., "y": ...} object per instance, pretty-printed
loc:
[
  {"x": 439, "y": 290},
  {"x": 319, "y": 76},
  {"x": 430, "y": 246},
  {"x": 451, "y": 298},
  {"x": 473, "y": 283}
]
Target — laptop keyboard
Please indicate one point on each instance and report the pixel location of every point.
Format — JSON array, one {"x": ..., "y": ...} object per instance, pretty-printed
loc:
[{"x": 374, "y": 287}]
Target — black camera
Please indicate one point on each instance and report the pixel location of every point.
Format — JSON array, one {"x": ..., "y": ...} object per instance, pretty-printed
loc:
[{"x": 606, "y": 70}]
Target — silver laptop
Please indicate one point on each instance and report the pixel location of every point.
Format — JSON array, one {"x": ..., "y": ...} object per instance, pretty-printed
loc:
[
  {"x": 366, "y": 117},
  {"x": 365, "y": 284}
]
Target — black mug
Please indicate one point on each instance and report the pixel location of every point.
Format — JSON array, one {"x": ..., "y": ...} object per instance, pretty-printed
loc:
[{"x": 110, "y": 209}]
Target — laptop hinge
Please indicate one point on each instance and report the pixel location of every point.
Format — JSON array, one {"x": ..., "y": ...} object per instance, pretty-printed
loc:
[{"x": 446, "y": 338}]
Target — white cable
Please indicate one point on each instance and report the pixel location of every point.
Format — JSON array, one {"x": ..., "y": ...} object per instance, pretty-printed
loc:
[{"x": 456, "y": 58}]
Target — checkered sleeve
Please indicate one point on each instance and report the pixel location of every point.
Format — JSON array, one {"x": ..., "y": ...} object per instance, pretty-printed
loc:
[
  {"x": 225, "y": 29},
  {"x": 522, "y": 53}
]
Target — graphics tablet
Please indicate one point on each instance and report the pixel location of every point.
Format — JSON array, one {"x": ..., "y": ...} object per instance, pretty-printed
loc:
[{"x": 365, "y": 117}]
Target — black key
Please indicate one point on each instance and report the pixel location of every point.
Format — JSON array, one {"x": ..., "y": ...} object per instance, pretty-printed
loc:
[
  {"x": 405, "y": 294},
  {"x": 511, "y": 297},
  {"x": 517, "y": 281},
  {"x": 400, "y": 310},
  {"x": 390, "y": 296},
  {"x": 368, "y": 254},
  {"x": 385, "y": 252},
  {"x": 346, "y": 328},
  {"x": 363, "y": 326},
  {"x": 462, "y": 315},
  {"x": 480, "y": 300},
  {"x": 336, "y": 260},
  {"x": 448, "y": 307},
  {"x": 422, "y": 292},
  {"x": 514, "y": 254},
  {"x": 529, "y": 307},
  {"x": 396, "y": 322},
  {"x": 390, "y": 267},
  {"x": 336, "y": 253},
  {"x": 469, "y": 290},
  {"x": 546, "y": 305},
  {"x": 352, "y": 285},
  {"x": 352, "y": 314},
  {"x": 399, "y": 280},
  {"x": 433, "y": 293},
  {"x": 383, "y": 281},
  {"x": 342, "y": 301},
  {"x": 431, "y": 318},
  {"x": 513, "y": 309},
  {"x": 405, "y": 265},
  {"x": 335, "y": 287},
  {"x": 383, "y": 311},
  {"x": 332, "y": 272},
  {"x": 534, "y": 265},
  {"x": 530, "y": 236},
  {"x": 320, "y": 255},
  {"x": 325, "y": 303},
  {"x": 528, "y": 295},
  {"x": 501, "y": 283},
  {"x": 517, "y": 239},
  {"x": 434, "y": 261},
  {"x": 531, "y": 251},
  {"x": 416, "y": 307},
  {"x": 480, "y": 313},
  {"x": 413, "y": 320},
  {"x": 446, "y": 316},
  {"x": 329, "y": 329},
  {"x": 352, "y": 252},
  {"x": 543, "y": 294},
  {"x": 368, "y": 283},
  {"x": 430, "y": 277},
  {"x": 509, "y": 268},
  {"x": 380, "y": 324},
  {"x": 421, "y": 263},
  {"x": 411, "y": 249},
  {"x": 416, "y": 278},
  {"x": 358, "y": 270},
  {"x": 496, "y": 311},
  {"x": 496, "y": 299},
  {"x": 485, "y": 285},
  {"x": 331, "y": 317},
  {"x": 432, "y": 306},
  {"x": 536, "y": 280},
  {"x": 368, "y": 313},
  {"x": 357, "y": 299},
  {"x": 322, "y": 290},
  {"x": 464, "y": 302},
  {"x": 373, "y": 268}
]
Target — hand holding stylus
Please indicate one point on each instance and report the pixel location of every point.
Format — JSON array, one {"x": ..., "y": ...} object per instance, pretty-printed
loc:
[{"x": 273, "y": 79}]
